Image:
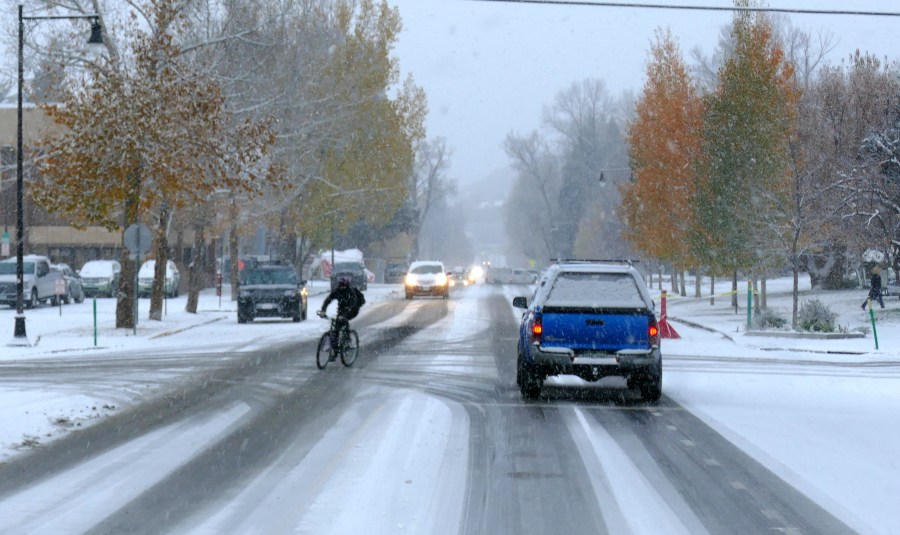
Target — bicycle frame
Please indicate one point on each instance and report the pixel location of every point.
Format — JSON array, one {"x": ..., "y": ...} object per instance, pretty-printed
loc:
[{"x": 340, "y": 342}]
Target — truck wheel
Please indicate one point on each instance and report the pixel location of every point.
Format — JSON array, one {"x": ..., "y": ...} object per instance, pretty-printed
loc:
[
  {"x": 530, "y": 381},
  {"x": 650, "y": 384}
]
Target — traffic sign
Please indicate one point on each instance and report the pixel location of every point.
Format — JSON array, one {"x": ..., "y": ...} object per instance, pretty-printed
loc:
[{"x": 137, "y": 239}]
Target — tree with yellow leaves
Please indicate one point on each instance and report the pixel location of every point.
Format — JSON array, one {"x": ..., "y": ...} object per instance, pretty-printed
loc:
[{"x": 745, "y": 181}]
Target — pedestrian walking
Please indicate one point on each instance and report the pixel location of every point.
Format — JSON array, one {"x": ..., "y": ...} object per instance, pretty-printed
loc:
[{"x": 875, "y": 288}]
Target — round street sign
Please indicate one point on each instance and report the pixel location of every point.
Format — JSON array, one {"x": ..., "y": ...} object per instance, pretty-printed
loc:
[{"x": 137, "y": 239}]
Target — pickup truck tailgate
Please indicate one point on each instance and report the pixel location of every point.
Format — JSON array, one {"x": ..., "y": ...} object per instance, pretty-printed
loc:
[{"x": 596, "y": 329}]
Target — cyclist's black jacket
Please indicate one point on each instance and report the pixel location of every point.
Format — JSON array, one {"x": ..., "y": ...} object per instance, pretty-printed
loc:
[{"x": 349, "y": 300}]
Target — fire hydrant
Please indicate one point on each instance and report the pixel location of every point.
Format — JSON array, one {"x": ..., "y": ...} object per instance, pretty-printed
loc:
[{"x": 219, "y": 283}]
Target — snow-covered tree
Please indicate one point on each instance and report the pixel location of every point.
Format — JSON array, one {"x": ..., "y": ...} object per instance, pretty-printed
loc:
[{"x": 146, "y": 135}]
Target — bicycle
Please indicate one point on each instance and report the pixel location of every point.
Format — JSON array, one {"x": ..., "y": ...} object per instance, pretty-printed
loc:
[{"x": 346, "y": 346}]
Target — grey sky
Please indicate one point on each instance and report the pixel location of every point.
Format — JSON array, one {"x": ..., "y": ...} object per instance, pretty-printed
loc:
[{"x": 488, "y": 68}]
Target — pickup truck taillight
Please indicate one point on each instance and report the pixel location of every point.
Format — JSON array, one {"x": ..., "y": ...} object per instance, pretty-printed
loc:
[
  {"x": 653, "y": 331},
  {"x": 537, "y": 329}
]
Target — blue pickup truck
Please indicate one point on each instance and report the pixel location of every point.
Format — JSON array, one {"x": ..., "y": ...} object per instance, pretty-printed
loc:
[{"x": 592, "y": 320}]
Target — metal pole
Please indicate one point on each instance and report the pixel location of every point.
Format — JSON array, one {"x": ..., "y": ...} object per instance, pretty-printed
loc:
[
  {"x": 20, "y": 335},
  {"x": 749, "y": 304},
  {"x": 872, "y": 316}
]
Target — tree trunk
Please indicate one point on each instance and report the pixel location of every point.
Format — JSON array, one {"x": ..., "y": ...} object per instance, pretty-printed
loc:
[
  {"x": 763, "y": 292},
  {"x": 796, "y": 296},
  {"x": 158, "y": 288},
  {"x": 125, "y": 300},
  {"x": 195, "y": 271},
  {"x": 734, "y": 290},
  {"x": 756, "y": 296},
  {"x": 233, "y": 246},
  {"x": 712, "y": 289},
  {"x": 698, "y": 280}
]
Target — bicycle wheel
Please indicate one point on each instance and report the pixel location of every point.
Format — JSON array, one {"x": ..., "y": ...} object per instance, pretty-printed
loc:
[
  {"x": 323, "y": 353},
  {"x": 351, "y": 349}
]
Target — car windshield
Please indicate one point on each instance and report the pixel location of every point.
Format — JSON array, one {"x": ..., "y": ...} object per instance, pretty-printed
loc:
[
  {"x": 264, "y": 276},
  {"x": 9, "y": 268},
  {"x": 148, "y": 269},
  {"x": 717, "y": 181},
  {"x": 97, "y": 269},
  {"x": 426, "y": 269}
]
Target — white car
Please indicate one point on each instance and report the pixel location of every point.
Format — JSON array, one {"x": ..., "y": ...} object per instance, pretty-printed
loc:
[
  {"x": 38, "y": 281},
  {"x": 101, "y": 277},
  {"x": 147, "y": 272},
  {"x": 427, "y": 277}
]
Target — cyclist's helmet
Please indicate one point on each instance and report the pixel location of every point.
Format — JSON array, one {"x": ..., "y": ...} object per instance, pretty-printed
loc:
[{"x": 343, "y": 282}]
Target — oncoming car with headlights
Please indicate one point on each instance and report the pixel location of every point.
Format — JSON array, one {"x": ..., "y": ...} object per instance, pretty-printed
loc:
[
  {"x": 271, "y": 290},
  {"x": 427, "y": 277}
]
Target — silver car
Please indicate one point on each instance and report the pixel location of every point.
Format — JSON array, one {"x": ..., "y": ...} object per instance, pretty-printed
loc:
[{"x": 74, "y": 288}]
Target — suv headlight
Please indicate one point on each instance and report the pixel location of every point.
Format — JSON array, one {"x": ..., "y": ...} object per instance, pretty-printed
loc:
[
  {"x": 441, "y": 280},
  {"x": 411, "y": 280}
]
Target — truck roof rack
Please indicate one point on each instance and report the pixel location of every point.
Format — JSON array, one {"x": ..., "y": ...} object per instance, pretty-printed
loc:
[{"x": 629, "y": 261}]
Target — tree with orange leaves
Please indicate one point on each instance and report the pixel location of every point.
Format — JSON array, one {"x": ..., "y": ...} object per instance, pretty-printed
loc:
[{"x": 664, "y": 142}]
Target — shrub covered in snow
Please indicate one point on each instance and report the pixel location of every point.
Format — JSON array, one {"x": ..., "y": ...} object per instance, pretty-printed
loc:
[
  {"x": 815, "y": 316},
  {"x": 769, "y": 319}
]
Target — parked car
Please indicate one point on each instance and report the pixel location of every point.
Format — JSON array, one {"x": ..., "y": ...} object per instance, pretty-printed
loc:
[
  {"x": 101, "y": 277},
  {"x": 592, "y": 320},
  {"x": 427, "y": 277},
  {"x": 271, "y": 290},
  {"x": 146, "y": 274},
  {"x": 354, "y": 271},
  {"x": 74, "y": 287},
  {"x": 38, "y": 281}
]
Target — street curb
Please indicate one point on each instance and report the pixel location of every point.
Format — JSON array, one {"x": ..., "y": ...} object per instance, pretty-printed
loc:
[
  {"x": 177, "y": 331},
  {"x": 805, "y": 335},
  {"x": 699, "y": 326}
]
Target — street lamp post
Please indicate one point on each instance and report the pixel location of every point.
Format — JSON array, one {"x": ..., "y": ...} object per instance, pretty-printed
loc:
[{"x": 19, "y": 334}]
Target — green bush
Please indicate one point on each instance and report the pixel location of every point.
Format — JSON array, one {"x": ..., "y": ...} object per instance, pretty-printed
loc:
[
  {"x": 815, "y": 316},
  {"x": 769, "y": 319}
]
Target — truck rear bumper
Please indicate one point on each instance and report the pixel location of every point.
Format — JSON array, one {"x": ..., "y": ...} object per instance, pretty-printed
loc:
[{"x": 553, "y": 360}]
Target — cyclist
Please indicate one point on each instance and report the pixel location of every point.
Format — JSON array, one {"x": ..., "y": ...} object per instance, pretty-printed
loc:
[{"x": 349, "y": 301}]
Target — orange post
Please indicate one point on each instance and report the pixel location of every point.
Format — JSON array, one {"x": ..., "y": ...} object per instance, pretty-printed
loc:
[{"x": 665, "y": 330}]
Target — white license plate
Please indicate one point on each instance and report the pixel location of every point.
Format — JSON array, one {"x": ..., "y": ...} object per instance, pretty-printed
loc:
[
  {"x": 266, "y": 306},
  {"x": 596, "y": 361}
]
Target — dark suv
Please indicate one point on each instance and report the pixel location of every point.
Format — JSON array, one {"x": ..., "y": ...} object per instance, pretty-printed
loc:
[
  {"x": 271, "y": 290},
  {"x": 354, "y": 271}
]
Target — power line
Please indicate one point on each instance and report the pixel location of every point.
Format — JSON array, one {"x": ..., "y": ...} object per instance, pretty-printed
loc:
[{"x": 800, "y": 11}]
